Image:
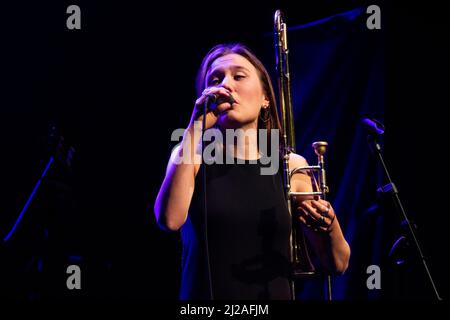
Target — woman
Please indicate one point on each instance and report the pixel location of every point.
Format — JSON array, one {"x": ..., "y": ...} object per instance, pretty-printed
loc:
[{"x": 246, "y": 255}]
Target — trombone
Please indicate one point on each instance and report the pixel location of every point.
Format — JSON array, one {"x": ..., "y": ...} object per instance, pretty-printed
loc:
[{"x": 302, "y": 266}]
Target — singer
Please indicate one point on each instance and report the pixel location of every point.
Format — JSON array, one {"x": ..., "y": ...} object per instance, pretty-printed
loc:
[{"x": 243, "y": 250}]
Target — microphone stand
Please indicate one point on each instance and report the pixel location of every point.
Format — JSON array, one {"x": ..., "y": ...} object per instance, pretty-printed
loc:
[
  {"x": 54, "y": 146},
  {"x": 30, "y": 198},
  {"x": 55, "y": 141},
  {"x": 390, "y": 188}
]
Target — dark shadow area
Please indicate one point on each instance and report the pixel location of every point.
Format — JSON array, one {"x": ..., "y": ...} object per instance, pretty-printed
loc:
[{"x": 116, "y": 89}]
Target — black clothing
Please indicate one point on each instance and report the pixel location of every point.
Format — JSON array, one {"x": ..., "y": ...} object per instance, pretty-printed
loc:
[{"x": 248, "y": 235}]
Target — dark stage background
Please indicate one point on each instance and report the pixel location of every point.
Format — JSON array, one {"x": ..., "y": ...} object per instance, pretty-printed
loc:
[{"x": 117, "y": 88}]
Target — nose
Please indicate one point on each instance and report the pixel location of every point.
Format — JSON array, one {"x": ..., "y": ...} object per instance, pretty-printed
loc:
[{"x": 227, "y": 83}]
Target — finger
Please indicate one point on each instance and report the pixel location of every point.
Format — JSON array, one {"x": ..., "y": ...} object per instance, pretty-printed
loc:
[
  {"x": 308, "y": 207},
  {"x": 311, "y": 217},
  {"x": 311, "y": 223},
  {"x": 207, "y": 92},
  {"x": 215, "y": 90},
  {"x": 303, "y": 221},
  {"x": 329, "y": 212},
  {"x": 323, "y": 207},
  {"x": 316, "y": 218},
  {"x": 306, "y": 219},
  {"x": 320, "y": 205},
  {"x": 324, "y": 203},
  {"x": 201, "y": 100}
]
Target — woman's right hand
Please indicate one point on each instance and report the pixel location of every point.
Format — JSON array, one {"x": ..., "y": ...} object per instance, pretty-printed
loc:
[{"x": 211, "y": 115}]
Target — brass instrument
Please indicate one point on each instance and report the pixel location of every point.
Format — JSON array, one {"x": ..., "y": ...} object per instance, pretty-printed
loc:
[{"x": 301, "y": 263}]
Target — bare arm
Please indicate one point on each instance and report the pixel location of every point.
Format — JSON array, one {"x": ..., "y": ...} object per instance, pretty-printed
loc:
[
  {"x": 328, "y": 242},
  {"x": 175, "y": 195}
]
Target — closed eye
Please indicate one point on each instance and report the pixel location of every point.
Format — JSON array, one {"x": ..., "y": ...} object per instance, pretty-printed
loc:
[{"x": 214, "y": 81}]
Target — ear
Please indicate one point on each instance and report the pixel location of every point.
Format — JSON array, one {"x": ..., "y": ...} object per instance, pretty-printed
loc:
[{"x": 266, "y": 101}]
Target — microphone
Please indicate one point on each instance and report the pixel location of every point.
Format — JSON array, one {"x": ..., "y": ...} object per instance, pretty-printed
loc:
[
  {"x": 214, "y": 99},
  {"x": 374, "y": 126}
]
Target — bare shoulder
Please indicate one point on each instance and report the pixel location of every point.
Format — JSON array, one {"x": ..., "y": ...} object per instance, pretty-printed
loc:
[
  {"x": 300, "y": 182},
  {"x": 174, "y": 153},
  {"x": 296, "y": 160}
]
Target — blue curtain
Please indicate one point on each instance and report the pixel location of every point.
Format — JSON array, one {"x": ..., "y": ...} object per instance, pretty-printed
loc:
[{"x": 337, "y": 78}]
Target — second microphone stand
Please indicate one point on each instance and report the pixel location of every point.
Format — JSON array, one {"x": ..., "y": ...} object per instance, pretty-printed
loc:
[{"x": 390, "y": 188}]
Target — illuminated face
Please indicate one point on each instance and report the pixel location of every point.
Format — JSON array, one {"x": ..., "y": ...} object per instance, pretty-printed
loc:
[{"x": 236, "y": 74}]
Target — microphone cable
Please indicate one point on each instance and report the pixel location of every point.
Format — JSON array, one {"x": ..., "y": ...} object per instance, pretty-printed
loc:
[
  {"x": 205, "y": 209},
  {"x": 212, "y": 98}
]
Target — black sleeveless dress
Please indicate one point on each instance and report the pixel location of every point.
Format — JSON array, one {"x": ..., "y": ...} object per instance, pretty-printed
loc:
[{"x": 248, "y": 236}]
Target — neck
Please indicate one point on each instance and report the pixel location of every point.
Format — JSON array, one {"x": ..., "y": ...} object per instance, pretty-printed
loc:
[{"x": 242, "y": 143}]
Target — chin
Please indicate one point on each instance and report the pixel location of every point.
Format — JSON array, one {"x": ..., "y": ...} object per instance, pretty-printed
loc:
[{"x": 230, "y": 121}]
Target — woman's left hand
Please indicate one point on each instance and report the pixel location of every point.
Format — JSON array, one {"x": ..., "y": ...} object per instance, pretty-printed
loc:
[{"x": 317, "y": 215}]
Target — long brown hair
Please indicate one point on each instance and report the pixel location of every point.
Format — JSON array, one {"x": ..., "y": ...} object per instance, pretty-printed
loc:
[{"x": 242, "y": 50}]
